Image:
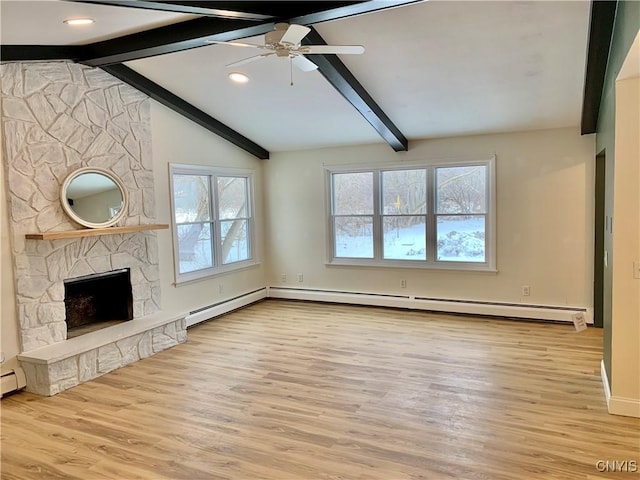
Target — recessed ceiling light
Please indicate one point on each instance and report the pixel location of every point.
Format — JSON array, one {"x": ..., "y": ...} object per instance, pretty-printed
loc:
[
  {"x": 238, "y": 77},
  {"x": 78, "y": 21}
]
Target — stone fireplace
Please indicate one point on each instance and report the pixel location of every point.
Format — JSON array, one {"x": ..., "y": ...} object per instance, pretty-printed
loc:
[{"x": 56, "y": 118}]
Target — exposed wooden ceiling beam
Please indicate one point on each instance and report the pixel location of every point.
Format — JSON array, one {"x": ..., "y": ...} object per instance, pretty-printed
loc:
[
  {"x": 17, "y": 53},
  {"x": 339, "y": 76},
  {"x": 195, "y": 33},
  {"x": 170, "y": 39},
  {"x": 603, "y": 14},
  {"x": 195, "y": 8},
  {"x": 184, "y": 108}
]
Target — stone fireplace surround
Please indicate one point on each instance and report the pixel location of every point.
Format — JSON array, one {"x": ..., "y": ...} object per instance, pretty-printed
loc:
[{"x": 56, "y": 118}]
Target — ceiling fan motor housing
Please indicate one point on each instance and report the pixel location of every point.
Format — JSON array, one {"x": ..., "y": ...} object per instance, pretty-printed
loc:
[{"x": 272, "y": 39}]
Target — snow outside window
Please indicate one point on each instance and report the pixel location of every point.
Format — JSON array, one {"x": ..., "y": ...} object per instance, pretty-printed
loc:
[
  {"x": 420, "y": 216},
  {"x": 212, "y": 220}
]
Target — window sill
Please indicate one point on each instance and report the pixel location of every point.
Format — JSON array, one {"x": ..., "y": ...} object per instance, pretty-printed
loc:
[
  {"x": 200, "y": 277},
  {"x": 450, "y": 266}
]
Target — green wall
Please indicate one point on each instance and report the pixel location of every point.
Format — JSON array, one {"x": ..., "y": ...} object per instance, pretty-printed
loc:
[{"x": 627, "y": 24}]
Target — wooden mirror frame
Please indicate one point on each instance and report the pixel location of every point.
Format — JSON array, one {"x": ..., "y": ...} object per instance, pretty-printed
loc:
[{"x": 100, "y": 171}]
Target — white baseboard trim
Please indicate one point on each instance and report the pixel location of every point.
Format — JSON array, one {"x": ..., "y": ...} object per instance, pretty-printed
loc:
[
  {"x": 538, "y": 312},
  {"x": 225, "y": 307},
  {"x": 627, "y": 407},
  {"x": 605, "y": 383}
]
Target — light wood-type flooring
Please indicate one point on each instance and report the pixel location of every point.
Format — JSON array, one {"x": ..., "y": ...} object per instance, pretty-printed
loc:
[{"x": 292, "y": 390}]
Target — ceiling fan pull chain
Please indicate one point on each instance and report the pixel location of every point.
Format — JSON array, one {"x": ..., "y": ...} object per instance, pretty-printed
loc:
[{"x": 291, "y": 69}]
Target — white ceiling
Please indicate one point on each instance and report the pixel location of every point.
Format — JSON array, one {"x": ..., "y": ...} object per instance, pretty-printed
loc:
[{"x": 437, "y": 68}]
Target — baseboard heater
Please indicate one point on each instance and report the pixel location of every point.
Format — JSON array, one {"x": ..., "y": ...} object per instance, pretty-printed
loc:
[
  {"x": 495, "y": 309},
  {"x": 12, "y": 381},
  {"x": 217, "y": 309}
]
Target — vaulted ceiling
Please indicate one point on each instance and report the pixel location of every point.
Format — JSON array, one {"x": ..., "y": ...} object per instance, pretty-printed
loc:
[{"x": 430, "y": 68}]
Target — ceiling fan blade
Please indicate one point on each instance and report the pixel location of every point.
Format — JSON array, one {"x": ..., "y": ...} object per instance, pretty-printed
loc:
[
  {"x": 236, "y": 44},
  {"x": 332, "y": 49},
  {"x": 294, "y": 34},
  {"x": 249, "y": 60},
  {"x": 304, "y": 64}
]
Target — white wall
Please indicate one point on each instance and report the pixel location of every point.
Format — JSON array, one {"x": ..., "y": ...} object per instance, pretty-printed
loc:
[
  {"x": 178, "y": 140},
  {"x": 545, "y": 190},
  {"x": 625, "y": 355}
]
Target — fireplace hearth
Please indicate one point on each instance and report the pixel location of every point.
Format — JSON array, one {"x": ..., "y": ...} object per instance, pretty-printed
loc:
[{"x": 97, "y": 301}]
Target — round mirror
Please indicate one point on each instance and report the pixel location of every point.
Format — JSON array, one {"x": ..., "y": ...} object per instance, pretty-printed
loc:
[{"x": 94, "y": 197}]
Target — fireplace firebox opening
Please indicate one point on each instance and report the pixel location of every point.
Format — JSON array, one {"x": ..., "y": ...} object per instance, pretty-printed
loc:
[{"x": 96, "y": 301}]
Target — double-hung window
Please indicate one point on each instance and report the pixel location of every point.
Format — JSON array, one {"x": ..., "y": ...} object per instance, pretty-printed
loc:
[
  {"x": 212, "y": 220},
  {"x": 431, "y": 216}
]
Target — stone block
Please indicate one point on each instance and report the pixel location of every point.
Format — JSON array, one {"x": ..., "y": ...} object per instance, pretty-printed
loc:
[
  {"x": 64, "y": 128},
  {"x": 142, "y": 291},
  {"x": 151, "y": 273},
  {"x": 129, "y": 349},
  {"x": 80, "y": 269},
  {"x": 51, "y": 312},
  {"x": 67, "y": 368},
  {"x": 56, "y": 292},
  {"x": 124, "y": 260},
  {"x": 109, "y": 358},
  {"x": 100, "y": 264},
  {"x": 138, "y": 309},
  {"x": 145, "y": 345},
  {"x": 160, "y": 340},
  {"x": 31, "y": 264},
  {"x": 20, "y": 185},
  {"x": 52, "y": 71},
  {"x": 88, "y": 365},
  {"x": 57, "y": 265},
  {"x": 21, "y": 210},
  {"x": 41, "y": 109},
  {"x": 17, "y": 109},
  {"x": 72, "y": 94},
  {"x": 63, "y": 385},
  {"x": 33, "y": 286},
  {"x": 28, "y": 314},
  {"x": 37, "y": 376},
  {"x": 97, "y": 78},
  {"x": 132, "y": 147}
]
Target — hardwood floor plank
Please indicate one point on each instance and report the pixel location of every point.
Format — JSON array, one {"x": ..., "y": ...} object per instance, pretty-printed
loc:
[{"x": 294, "y": 390}]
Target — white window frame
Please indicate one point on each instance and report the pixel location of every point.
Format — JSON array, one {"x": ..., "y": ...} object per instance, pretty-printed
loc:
[
  {"x": 218, "y": 267},
  {"x": 489, "y": 265}
]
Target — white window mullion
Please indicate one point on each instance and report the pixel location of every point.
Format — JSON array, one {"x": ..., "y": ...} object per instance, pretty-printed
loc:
[
  {"x": 377, "y": 216},
  {"x": 216, "y": 228},
  {"x": 432, "y": 220}
]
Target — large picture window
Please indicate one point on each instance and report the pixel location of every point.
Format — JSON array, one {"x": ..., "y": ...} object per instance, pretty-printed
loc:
[
  {"x": 436, "y": 216},
  {"x": 212, "y": 220}
]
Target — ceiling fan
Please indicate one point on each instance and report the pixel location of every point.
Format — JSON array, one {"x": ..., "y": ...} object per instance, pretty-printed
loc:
[{"x": 284, "y": 41}]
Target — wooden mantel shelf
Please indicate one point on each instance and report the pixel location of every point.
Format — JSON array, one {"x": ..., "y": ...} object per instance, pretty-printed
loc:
[{"x": 92, "y": 232}]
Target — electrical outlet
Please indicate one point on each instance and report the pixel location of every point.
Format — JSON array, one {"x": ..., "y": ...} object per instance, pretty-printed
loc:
[
  {"x": 636, "y": 269},
  {"x": 526, "y": 290},
  {"x": 300, "y": 278},
  {"x": 403, "y": 283},
  {"x": 283, "y": 278}
]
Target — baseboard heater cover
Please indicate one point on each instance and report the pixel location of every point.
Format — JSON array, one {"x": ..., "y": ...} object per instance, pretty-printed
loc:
[
  {"x": 535, "y": 312},
  {"x": 12, "y": 381},
  {"x": 217, "y": 309}
]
